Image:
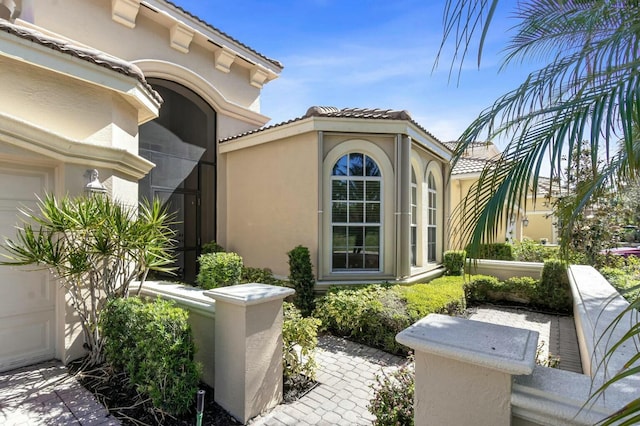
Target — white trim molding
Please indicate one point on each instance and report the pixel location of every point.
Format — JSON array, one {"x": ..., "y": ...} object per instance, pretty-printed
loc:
[{"x": 26, "y": 136}]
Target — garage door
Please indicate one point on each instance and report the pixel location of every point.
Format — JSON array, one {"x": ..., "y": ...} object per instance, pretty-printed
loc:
[{"x": 27, "y": 298}]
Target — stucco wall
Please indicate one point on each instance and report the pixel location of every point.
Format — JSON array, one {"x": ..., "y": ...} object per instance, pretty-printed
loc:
[
  {"x": 539, "y": 227},
  {"x": 274, "y": 185},
  {"x": 147, "y": 40},
  {"x": 67, "y": 106}
]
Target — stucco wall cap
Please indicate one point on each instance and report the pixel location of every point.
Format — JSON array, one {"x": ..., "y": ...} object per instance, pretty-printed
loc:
[
  {"x": 507, "y": 349},
  {"x": 249, "y": 294}
]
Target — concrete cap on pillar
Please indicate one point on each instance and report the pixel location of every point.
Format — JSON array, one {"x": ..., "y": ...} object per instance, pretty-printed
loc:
[
  {"x": 249, "y": 294},
  {"x": 506, "y": 349}
]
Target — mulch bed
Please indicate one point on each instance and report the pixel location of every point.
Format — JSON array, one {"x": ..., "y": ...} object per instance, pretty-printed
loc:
[{"x": 114, "y": 391}]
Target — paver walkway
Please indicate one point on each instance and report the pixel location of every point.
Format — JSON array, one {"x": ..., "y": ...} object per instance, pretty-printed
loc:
[
  {"x": 557, "y": 332},
  {"x": 45, "y": 394},
  {"x": 345, "y": 372}
]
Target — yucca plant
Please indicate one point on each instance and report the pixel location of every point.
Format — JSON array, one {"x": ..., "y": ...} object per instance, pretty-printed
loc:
[
  {"x": 587, "y": 95},
  {"x": 95, "y": 247}
]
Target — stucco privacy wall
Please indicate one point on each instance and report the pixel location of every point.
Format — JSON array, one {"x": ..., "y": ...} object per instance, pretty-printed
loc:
[{"x": 273, "y": 187}]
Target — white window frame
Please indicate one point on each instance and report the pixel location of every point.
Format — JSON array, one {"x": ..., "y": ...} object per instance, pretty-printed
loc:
[
  {"x": 363, "y": 224},
  {"x": 387, "y": 243}
]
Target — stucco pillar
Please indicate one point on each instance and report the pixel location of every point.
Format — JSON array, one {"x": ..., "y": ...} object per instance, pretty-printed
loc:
[
  {"x": 248, "y": 348},
  {"x": 404, "y": 189},
  {"x": 464, "y": 369}
]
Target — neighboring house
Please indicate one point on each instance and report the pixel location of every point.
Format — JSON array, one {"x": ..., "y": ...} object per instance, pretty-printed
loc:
[
  {"x": 138, "y": 99},
  {"x": 535, "y": 222}
]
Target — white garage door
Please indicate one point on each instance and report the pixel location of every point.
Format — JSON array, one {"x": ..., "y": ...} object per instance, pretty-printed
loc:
[{"x": 27, "y": 298}]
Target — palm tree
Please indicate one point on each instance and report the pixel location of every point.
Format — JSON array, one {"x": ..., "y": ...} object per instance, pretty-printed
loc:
[{"x": 588, "y": 93}]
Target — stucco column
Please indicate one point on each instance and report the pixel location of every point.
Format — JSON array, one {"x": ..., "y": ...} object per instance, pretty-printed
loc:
[
  {"x": 248, "y": 348},
  {"x": 404, "y": 208},
  {"x": 464, "y": 369}
]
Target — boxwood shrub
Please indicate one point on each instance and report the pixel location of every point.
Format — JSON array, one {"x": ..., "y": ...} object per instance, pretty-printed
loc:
[
  {"x": 554, "y": 290},
  {"x": 453, "y": 261},
  {"x": 373, "y": 315},
  {"x": 493, "y": 251},
  {"x": 153, "y": 344},
  {"x": 219, "y": 269}
]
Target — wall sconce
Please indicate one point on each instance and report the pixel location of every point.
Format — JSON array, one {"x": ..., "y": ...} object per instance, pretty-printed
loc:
[
  {"x": 525, "y": 221},
  {"x": 93, "y": 186}
]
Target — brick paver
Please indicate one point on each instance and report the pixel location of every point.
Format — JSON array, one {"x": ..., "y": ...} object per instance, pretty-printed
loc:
[
  {"x": 346, "y": 371},
  {"x": 45, "y": 394}
]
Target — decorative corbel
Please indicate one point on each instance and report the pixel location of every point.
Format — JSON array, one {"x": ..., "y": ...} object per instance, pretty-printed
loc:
[
  {"x": 181, "y": 36},
  {"x": 125, "y": 12},
  {"x": 224, "y": 58}
]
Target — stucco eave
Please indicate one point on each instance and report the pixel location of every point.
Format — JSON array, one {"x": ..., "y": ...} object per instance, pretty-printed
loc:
[
  {"x": 204, "y": 33},
  {"x": 38, "y": 140},
  {"x": 268, "y": 135},
  {"x": 132, "y": 90},
  {"x": 338, "y": 125},
  {"x": 465, "y": 176}
]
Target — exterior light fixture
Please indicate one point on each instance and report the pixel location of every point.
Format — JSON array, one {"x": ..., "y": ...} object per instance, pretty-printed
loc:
[
  {"x": 525, "y": 222},
  {"x": 93, "y": 186}
]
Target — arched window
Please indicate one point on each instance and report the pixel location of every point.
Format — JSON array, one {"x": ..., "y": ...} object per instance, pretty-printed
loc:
[
  {"x": 414, "y": 218},
  {"x": 356, "y": 200},
  {"x": 432, "y": 196}
]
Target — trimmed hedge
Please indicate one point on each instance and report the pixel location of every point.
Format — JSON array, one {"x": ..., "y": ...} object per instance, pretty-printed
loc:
[
  {"x": 453, "y": 261},
  {"x": 302, "y": 279},
  {"x": 219, "y": 270},
  {"x": 153, "y": 344},
  {"x": 373, "y": 315},
  {"x": 492, "y": 251},
  {"x": 554, "y": 289}
]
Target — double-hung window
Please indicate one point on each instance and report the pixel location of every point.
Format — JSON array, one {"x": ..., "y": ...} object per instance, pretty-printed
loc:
[
  {"x": 432, "y": 218},
  {"x": 356, "y": 222}
]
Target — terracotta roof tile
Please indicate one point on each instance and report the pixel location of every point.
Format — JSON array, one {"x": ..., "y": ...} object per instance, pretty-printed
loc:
[
  {"x": 94, "y": 56},
  {"x": 328, "y": 111},
  {"x": 197, "y": 18}
]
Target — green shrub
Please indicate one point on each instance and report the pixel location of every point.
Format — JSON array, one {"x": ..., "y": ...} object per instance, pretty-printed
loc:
[
  {"x": 442, "y": 295},
  {"x": 493, "y": 251},
  {"x": 528, "y": 250},
  {"x": 479, "y": 289},
  {"x": 392, "y": 403},
  {"x": 520, "y": 289},
  {"x": 371, "y": 315},
  {"x": 300, "y": 339},
  {"x": 453, "y": 261},
  {"x": 219, "y": 269},
  {"x": 554, "y": 290},
  {"x": 118, "y": 318},
  {"x": 302, "y": 279},
  {"x": 153, "y": 344},
  {"x": 626, "y": 280},
  {"x": 212, "y": 247},
  {"x": 259, "y": 275}
]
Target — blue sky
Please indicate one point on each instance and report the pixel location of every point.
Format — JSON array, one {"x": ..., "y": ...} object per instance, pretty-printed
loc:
[{"x": 366, "y": 54}]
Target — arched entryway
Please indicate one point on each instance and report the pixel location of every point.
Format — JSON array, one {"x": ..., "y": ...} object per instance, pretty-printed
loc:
[{"x": 181, "y": 142}]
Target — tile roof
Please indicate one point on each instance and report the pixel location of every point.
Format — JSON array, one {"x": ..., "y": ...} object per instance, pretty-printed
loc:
[
  {"x": 469, "y": 165},
  {"x": 333, "y": 112},
  {"x": 197, "y": 18},
  {"x": 93, "y": 56}
]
